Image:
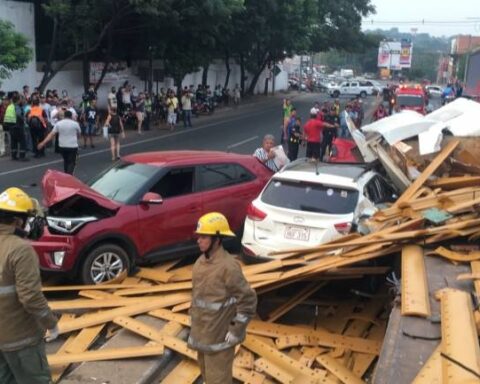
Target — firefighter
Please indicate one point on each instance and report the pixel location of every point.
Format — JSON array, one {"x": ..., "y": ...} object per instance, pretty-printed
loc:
[
  {"x": 222, "y": 302},
  {"x": 25, "y": 315}
]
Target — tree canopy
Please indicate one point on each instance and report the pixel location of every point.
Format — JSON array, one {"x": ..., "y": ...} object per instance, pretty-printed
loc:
[
  {"x": 15, "y": 53},
  {"x": 190, "y": 34}
]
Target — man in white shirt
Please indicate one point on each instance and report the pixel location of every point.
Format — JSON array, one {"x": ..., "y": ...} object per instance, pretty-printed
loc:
[
  {"x": 265, "y": 154},
  {"x": 68, "y": 133}
]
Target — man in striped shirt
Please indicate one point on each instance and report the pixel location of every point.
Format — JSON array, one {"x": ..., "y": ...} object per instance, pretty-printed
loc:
[{"x": 265, "y": 153}]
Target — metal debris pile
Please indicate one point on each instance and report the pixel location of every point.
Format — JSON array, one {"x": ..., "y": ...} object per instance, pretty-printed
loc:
[{"x": 343, "y": 340}]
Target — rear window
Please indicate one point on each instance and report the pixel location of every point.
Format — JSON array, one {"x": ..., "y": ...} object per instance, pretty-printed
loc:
[
  {"x": 310, "y": 197},
  {"x": 410, "y": 100}
]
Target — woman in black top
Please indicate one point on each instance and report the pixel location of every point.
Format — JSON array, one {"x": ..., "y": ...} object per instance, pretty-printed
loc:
[{"x": 115, "y": 129}]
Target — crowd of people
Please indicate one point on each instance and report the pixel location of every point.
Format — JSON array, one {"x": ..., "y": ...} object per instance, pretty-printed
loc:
[
  {"x": 327, "y": 121},
  {"x": 28, "y": 120}
]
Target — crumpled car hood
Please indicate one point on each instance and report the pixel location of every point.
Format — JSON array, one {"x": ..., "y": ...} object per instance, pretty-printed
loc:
[{"x": 59, "y": 186}]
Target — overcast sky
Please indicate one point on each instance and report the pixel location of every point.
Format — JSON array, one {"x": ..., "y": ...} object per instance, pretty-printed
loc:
[{"x": 456, "y": 16}]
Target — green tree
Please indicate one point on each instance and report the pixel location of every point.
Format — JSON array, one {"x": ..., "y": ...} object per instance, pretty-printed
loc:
[
  {"x": 268, "y": 31},
  {"x": 80, "y": 28},
  {"x": 191, "y": 35},
  {"x": 15, "y": 52}
]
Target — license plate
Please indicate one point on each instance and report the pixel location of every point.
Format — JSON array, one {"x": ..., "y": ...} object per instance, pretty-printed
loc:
[{"x": 297, "y": 233}]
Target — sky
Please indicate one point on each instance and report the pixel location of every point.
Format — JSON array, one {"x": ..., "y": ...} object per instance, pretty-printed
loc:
[{"x": 441, "y": 17}]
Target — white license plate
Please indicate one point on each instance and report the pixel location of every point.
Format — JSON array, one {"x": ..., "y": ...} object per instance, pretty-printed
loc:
[{"x": 297, "y": 233}]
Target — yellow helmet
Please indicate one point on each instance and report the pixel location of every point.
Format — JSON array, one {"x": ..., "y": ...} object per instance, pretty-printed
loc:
[
  {"x": 214, "y": 224},
  {"x": 16, "y": 201}
]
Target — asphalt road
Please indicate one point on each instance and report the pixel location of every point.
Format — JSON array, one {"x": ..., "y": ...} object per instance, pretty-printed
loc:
[{"x": 237, "y": 130}]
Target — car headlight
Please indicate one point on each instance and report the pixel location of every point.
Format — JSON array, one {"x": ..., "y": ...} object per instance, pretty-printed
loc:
[{"x": 68, "y": 224}]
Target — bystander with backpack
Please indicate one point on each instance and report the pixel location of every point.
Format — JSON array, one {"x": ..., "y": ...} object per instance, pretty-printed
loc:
[{"x": 37, "y": 122}]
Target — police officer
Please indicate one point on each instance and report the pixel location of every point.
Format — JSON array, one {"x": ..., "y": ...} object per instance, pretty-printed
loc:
[
  {"x": 25, "y": 315},
  {"x": 222, "y": 302}
]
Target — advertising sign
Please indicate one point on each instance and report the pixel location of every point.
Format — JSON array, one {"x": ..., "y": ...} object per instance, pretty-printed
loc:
[
  {"x": 406, "y": 54},
  {"x": 395, "y": 55}
]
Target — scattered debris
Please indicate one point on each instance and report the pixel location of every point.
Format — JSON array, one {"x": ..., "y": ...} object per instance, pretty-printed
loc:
[{"x": 342, "y": 339}]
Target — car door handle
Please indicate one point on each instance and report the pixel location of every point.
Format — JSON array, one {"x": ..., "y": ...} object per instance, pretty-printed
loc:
[{"x": 194, "y": 208}]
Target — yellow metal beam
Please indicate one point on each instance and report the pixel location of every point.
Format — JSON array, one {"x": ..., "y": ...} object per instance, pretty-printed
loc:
[
  {"x": 60, "y": 288},
  {"x": 68, "y": 305},
  {"x": 415, "y": 296},
  {"x": 431, "y": 372},
  {"x": 105, "y": 354},
  {"x": 131, "y": 310},
  {"x": 459, "y": 337},
  {"x": 429, "y": 170},
  {"x": 154, "y": 274},
  {"x": 263, "y": 365},
  {"x": 338, "y": 370},
  {"x": 455, "y": 256},
  {"x": 297, "y": 370},
  {"x": 244, "y": 359},
  {"x": 185, "y": 372}
]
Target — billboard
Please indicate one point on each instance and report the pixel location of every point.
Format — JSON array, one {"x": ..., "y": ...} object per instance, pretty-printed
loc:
[{"x": 395, "y": 55}]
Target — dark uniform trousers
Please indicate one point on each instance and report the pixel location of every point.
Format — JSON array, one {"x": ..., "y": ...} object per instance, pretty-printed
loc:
[
  {"x": 217, "y": 367},
  {"x": 28, "y": 365},
  {"x": 18, "y": 144},
  {"x": 69, "y": 159}
]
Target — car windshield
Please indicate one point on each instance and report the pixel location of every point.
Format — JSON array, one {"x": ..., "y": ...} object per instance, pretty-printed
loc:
[
  {"x": 310, "y": 197},
  {"x": 122, "y": 181},
  {"x": 410, "y": 100}
]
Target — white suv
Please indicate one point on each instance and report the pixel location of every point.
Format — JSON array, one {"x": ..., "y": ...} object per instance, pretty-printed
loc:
[{"x": 310, "y": 203}]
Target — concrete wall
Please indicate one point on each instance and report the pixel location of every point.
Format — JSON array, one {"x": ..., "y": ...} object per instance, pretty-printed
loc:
[
  {"x": 70, "y": 79},
  {"x": 22, "y": 17}
]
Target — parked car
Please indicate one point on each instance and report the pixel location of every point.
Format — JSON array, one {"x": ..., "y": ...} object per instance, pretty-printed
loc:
[
  {"x": 434, "y": 90},
  {"x": 354, "y": 88},
  {"x": 143, "y": 209},
  {"x": 309, "y": 203}
]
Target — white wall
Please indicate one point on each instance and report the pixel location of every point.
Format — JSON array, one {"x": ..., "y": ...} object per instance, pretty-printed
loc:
[
  {"x": 22, "y": 17},
  {"x": 70, "y": 79}
]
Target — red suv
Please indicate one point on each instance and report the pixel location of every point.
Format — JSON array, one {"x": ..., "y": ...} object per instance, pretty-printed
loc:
[{"x": 143, "y": 209}]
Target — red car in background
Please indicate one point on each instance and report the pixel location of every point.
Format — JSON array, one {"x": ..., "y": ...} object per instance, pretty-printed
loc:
[
  {"x": 143, "y": 209},
  {"x": 342, "y": 151}
]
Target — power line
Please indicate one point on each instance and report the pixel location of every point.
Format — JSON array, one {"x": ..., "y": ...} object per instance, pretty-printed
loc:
[{"x": 471, "y": 21}]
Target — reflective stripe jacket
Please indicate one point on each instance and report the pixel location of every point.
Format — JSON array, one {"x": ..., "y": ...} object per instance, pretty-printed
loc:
[
  {"x": 222, "y": 301},
  {"x": 25, "y": 314},
  {"x": 10, "y": 114}
]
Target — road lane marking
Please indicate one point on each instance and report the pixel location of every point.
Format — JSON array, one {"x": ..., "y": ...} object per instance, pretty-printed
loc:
[
  {"x": 242, "y": 142},
  {"x": 152, "y": 139}
]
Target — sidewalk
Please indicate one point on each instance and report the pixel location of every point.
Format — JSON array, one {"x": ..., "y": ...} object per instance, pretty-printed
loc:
[{"x": 158, "y": 130}]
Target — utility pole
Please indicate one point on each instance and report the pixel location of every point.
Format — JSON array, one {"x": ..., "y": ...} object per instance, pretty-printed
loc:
[
  {"x": 274, "y": 76},
  {"x": 300, "y": 81},
  {"x": 150, "y": 69}
]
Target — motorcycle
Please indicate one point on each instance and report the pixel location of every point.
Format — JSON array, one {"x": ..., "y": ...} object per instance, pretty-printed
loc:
[{"x": 203, "y": 107}]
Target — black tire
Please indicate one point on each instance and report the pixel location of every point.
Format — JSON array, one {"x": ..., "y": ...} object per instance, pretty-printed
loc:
[
  {"x": 336, "y": 94},
  {"x": 363, "y": 94},
  {"x": 119, "y": 261}
]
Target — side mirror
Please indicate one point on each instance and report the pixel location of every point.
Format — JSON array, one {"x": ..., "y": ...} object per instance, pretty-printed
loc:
[{"x": 151, "y": 198}]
